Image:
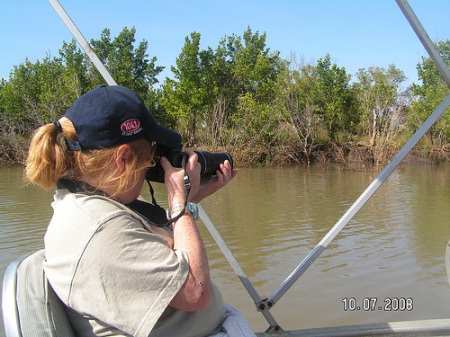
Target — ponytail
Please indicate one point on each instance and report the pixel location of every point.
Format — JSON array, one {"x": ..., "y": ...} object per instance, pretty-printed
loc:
[{"x": 48, "y": 158}]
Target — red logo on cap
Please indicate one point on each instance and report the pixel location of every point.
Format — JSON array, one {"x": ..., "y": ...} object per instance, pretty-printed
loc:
[{"x": 130, "y": 125}]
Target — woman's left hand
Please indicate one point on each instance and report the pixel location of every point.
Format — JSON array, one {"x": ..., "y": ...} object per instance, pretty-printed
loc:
[{"x": 210, "y": 185}]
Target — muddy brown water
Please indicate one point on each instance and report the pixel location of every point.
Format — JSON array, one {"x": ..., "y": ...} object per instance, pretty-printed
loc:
[{"x": 386, "y": 265}]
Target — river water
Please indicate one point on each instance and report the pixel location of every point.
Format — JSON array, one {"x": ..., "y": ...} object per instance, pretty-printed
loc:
[{"x": 391, "y": 252}]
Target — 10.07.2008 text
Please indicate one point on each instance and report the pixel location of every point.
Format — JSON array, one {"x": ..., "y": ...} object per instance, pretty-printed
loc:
[{"x": 372, "y": 304}]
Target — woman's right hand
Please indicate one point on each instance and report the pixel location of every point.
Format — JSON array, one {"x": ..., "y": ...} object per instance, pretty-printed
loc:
[{"x": 174, "y": 178}]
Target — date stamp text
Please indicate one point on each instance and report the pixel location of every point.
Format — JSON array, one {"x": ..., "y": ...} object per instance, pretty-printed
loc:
[{"x": 374, "y": 304}]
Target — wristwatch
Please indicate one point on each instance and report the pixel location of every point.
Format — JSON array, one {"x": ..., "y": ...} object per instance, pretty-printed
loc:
[
  {"x": 193, "y": 208},
  {"x": 175, "y": 210}
]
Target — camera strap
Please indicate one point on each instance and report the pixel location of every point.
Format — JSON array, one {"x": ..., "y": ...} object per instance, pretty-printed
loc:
[
  {"x": 152, "y": 193},
  {"x": 187, "y": 188},
  {"x": 187, "y": 181}
]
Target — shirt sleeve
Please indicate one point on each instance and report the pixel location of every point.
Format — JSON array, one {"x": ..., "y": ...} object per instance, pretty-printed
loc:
[{"x": 127, "y": 275}]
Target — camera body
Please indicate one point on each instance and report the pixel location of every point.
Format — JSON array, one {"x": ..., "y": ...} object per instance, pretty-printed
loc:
[{"x": 208, "y": 161}]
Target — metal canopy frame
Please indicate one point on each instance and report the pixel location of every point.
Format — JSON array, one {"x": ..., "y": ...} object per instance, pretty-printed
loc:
[
  {"x": 264, "y": 305},
  {"x": 82, "y": 41}
]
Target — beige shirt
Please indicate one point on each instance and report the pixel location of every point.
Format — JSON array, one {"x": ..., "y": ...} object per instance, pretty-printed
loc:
[{"x": 117, "y": 274}]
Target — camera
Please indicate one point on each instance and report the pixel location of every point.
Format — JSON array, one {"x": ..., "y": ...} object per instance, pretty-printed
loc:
[{"x": 209, "y": 162}]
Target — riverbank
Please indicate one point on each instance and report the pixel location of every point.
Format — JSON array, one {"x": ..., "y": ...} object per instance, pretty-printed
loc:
[{"x": 349, "y": 155}]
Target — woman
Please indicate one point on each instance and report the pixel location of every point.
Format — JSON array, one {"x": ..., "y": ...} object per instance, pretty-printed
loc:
[{"x": 120, "y": 272}]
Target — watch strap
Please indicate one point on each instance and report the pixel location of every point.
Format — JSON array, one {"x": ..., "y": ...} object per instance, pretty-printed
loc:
[{"x": 178, "y": 209}]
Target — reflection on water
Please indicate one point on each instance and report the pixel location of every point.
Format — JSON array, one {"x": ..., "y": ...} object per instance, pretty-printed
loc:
[{"x": 272, "y": 218}]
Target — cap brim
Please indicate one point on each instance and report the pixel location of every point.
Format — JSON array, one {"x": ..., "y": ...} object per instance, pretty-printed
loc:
[{"x": 165, "y": 137}]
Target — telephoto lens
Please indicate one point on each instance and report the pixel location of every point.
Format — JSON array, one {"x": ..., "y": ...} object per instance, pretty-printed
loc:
[{"x": 210, "y": 162}]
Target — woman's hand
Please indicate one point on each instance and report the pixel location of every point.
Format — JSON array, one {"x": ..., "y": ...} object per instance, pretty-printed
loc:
[
  {"x": 210, "y": 185},
  {"x": 174, "y": 179}
]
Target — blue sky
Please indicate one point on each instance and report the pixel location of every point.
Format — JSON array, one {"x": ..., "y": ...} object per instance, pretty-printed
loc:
[{"x": 356, "y": 33}]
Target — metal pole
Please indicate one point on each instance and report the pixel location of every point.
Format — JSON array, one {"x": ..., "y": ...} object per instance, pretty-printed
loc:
[
  {"x": 228, "y": 254},
  {"x": 236, "y": 267},
  {"x": 82, "y": 41},
  {"x": 425, "y": 39},
  {"x": 367, "y": 194}
]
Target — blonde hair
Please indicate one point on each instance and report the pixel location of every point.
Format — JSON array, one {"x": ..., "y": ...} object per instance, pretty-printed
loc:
[{"x": 49, "y": 160}]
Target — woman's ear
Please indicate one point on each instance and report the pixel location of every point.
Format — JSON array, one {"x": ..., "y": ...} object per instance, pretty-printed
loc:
[{"x": 123, "y": 154}]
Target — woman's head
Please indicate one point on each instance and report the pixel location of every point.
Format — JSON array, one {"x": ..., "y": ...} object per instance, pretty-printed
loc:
[
  {"x": 84, "y": 144},
  {"x": 50, "y": 159}
]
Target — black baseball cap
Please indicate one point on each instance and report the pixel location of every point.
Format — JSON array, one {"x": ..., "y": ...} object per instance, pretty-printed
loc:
[{"x": 114, "y": 115}]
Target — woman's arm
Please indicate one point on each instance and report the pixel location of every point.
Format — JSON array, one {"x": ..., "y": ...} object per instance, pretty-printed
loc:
[{"x": 195, "y": 293}]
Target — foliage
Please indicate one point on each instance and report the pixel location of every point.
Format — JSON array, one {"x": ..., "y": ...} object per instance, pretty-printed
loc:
[
  {"x": 298, "y": 108},
  {"x": 189, "y": 96},
  {"x": 430, "y": 94},
  {"x": 381, "y": 100},
  {"x": 239, "y": 96},
  {"x": 129, "y": 66},
  {"x": 335, "y": 99}
]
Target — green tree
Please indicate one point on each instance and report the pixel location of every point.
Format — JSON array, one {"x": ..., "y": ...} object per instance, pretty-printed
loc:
[
  {"x": 299, "y": 111},
  {"x": 250, "y": 92},
  {"x": 255, "y": 69},
  {"x": 76, "y": 77},
  {"x": 382, "y": 101},
  {"x": 29, "y": 99},
  {"x": 127, "y": 64},
  {"x": 335, "y": 98},
  {"x": 218, "y": 82},
  {"x": 430, "y": 94},
  {"x": 20, "y": 96},
  {"x": 189, "y": 95}
]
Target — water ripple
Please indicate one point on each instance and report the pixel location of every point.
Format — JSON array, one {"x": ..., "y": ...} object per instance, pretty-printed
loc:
[{"x": 271, "y": 219}]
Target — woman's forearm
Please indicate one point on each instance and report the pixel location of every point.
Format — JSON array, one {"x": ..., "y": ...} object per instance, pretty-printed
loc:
[{"x": 195, "y": 293}]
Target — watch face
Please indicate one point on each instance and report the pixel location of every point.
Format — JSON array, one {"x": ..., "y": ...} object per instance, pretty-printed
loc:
[{"x": 191, "y": 207}]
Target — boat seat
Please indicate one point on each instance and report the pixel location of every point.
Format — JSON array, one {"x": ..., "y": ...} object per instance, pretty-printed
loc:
[{"x": 30, "y": 306}]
